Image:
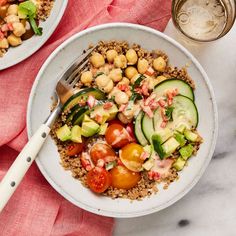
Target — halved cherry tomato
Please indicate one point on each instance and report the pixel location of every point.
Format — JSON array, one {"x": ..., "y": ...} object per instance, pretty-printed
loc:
[
  {"x": 117, "y": 136},
  {"x": 115, "y": 121},
  {"x": 98, "y": 179},
  {"x": 74, "y": 149},
  {"x": 102, "y": 151},
  {"x": 130, "y": 156},
  {"x": 122, "y": 178}
]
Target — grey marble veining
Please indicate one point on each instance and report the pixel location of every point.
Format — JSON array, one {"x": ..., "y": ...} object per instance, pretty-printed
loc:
[{"x": 209, "y": 209}]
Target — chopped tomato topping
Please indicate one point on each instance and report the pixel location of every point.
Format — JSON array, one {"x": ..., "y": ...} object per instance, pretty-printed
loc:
[
  {"x": 85, "y": 162},
  {"x": 123, "y": 87},
  {"x": 122, "y": 107},
  {"x": 91, "y": 101},
  {"x": 98, "y": 118},
  {"x": 162, "y": 103},
  {"x": 144, "y": 155},
  {"x": 153, "y": 175},
  {"x": 150, "y": 71},
  {"x": 107, "y": 105}
]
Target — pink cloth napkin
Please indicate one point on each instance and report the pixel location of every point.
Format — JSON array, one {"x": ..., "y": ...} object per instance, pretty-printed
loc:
[{"x": 36, "y": 208}]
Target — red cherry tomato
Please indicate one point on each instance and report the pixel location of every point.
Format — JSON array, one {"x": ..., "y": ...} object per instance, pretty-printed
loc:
[
  {"x": 102, "y": 151},
  {"x": 130, "y": 130},
  {"x": 117, "y": 136},
  {"x": 115, "y": 121},
  {"x": 74, "y": 149},
  {"x": 98, "y": 179}
]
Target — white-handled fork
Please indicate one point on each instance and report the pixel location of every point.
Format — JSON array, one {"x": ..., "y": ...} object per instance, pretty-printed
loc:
[{"x": 64, "y": 89}]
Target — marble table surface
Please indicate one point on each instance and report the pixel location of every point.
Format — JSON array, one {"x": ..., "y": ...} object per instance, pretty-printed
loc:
[{"x": 209, "y": 209}]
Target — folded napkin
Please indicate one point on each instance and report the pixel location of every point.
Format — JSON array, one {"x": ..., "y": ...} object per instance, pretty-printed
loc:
[{"x": 36, "y": 208}]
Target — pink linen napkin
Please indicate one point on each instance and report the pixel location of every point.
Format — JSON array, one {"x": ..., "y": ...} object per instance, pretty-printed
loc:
[{"x": 35, "y": 208}]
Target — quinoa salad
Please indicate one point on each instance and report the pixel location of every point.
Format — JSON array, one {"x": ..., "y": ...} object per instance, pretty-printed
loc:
[
  {"x": 19, "y": 21},
  {"x": 131, "y": 127}
]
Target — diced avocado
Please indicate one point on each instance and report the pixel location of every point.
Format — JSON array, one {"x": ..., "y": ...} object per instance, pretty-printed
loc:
[
  {"x": 181, "y": 139},
  {"x": 76, "y": 134},
  {"x": 181, "y": 128},
  {"x": 148, "y": 164},
  {"x": 101, "y": 113},
  {"x": 165, "y": 135},
  {"x": 102, "y": 129},
  {"x": 148, "y": 149},
  {"x": 179, "y": 164},
  {"x": 89, "y": 127},
  {"x": 191, "y": 136},
  {"x": 112, "y": 112},
  {"x": 156, "y": 141},
  {"x": 170, "y": 146},
  {"x": 186, "y": 151},
  {"x": 64, "y": 133}
]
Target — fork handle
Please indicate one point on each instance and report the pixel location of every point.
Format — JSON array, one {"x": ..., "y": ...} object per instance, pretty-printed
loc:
[{"x": 22, "y": 163}]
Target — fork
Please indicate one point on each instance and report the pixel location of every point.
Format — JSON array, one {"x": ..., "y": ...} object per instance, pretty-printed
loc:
[{"x": 65, "y": 87}]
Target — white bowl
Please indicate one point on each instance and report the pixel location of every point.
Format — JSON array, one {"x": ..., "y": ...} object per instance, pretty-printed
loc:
[
  {"x": 48, "y": 159},
  {"x": 30, "y": 46}
]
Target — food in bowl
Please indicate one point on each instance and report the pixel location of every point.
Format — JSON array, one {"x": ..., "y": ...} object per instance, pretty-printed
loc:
[
  {"x": 19, "y": 21},
  {"x": 132, "y": 124}
]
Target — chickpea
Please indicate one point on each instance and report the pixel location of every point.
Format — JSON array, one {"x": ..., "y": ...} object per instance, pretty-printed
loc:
[
  {"x": 159, "y": 64},
  {"x": 142, "y": 66},
  {"x": 120, "y": 61},
  {"x": 159, "y": 79},
  {"x": 121, "y": 98},
  {"x": 123, "y": 118},
  {"x": 116, "y": 74},
  {"x": 14, "y": 40},
  {"x": 86, "y": 78},
  {"x": 12, "y": 10},
  {"x": 97, "y": 60},
  {"x": 130, "y": 72},
  {"x": 131, "y": 56},
  {"x": 4, "y": 43},
  {"x": 12, "y": 19},
  {"x": 104, "y": 69},
  {"x": 108, "y": 88},
  {"x": 102, "y": 80},
  {"x": 111, "y": 54},
  {"x": 124, "y": 81},
  {"x": 18, "y": 29}
]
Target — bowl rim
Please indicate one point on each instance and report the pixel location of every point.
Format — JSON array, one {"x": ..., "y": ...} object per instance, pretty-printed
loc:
[
  {"x": 41, "y": 42},
  {"x": 210, "y": 150}
]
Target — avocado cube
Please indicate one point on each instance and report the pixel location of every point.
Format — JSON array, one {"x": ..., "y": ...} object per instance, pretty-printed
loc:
[
  {"x": 165, "y": 135},
  {"x": 179, "y": 164},
  {"x": 170, "y": 146},
  {"x": 76, "y": 134},
  {"x": 181, "y": 139},
  {"x": 64, "y": 133},
  {"x": 89, "y": 128},
  {"x": 87, "y": 119},
  {"x": 186, "y": 151},
  {"x": 191, "y": 136},
  {"x": 112, "y": 112},
  {"x": 148, "y": 164},
  {"x": 181, "y": 128},
  {"x": 102, "y": 129}
]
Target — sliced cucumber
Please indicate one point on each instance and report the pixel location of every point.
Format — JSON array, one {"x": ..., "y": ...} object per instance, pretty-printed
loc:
[
  {"x": 73, "y": 111},
  {"x": 184, "y": 113},
  {"x": 170, "y": 84},
  {"x": 147, "y": 127},
  {"x": 73, "y": 100},
  {"x": 138, "y": 130},
  {"x": 78, "y": 117}
]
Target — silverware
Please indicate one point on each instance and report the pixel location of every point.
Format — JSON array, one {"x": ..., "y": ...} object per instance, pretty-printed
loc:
[{"x": 65, "y": 87}]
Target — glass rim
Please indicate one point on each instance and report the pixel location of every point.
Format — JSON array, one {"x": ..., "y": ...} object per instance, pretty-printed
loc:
[{"x": 222, "y": 34}]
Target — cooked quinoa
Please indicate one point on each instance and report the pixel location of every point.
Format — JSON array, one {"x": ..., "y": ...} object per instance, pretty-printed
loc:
[{"x": 145, "y": 186}]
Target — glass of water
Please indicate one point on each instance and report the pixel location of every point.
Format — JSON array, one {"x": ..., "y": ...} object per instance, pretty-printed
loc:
[{"x": 203, "y": 20}]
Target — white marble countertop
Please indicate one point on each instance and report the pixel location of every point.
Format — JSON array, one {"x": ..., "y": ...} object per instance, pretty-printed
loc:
[{"x": 209, "y": 209}]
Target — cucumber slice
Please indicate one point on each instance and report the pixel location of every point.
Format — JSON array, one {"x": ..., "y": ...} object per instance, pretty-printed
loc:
[
  {"x": 147, "y": 127},
  {"x": 74, "y": 99},
  {"x": 184, "y": 113},
  {"x": 73, "y": 111},
  {"x": 170, "y": 84},
  {"x": 138, "y": 130},
  {"x": 78, "y": 117}
]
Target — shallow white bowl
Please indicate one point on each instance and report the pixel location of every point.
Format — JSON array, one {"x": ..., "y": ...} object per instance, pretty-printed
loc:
[
  {"x": 48, "y": 159},
  {"x": 30, "y": 46}
]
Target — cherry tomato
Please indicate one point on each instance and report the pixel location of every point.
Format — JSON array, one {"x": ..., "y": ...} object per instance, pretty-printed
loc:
[
  {"x": 117, "y": 136},
  {"x": 130, "y": 156},
  {"x": 122, "y": 178},
  {"x": 74, "y": 149},
  {"x": 98, "y": 179},
  {"x": 130, "y": 130},
  {"x": 102, "y": 151},
  {"x": 115, "y": 121}
]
